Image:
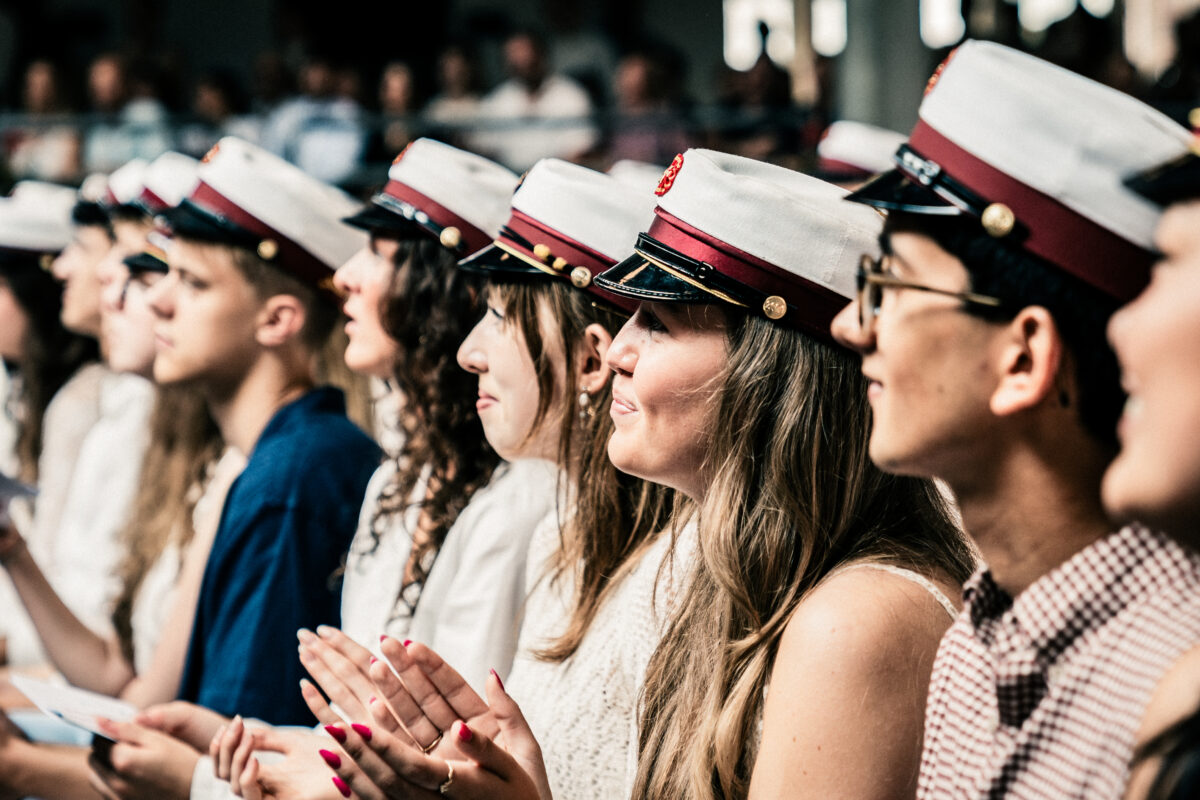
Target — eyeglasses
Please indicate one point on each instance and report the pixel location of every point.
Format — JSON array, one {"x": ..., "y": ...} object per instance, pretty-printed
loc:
[{"x": 872, "y": 280}]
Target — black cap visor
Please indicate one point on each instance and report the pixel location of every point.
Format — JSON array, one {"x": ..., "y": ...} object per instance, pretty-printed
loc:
[
  {"x": 190, "y": 221},
  {"x": 659, "y": 274},
  {"x": 145, "y": 262},
  {"x": 505, "y": 262},
  {"x": 376, "y": 219},
  {"x": 918, "y": 186},
  {"x": 1173, "y": 182}
]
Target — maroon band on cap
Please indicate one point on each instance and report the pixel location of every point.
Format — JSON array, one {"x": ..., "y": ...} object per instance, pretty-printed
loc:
[
  {"x": 472, "y": 237},
  {"x": 832, "y": 165},
  {"x": 152, "y": 201},
  {"x": 813, "y": 306},
  {"x": 291, "y": 255},
  {"x": 1066, "y": 238},
  {"x": 576, "y": 254}
]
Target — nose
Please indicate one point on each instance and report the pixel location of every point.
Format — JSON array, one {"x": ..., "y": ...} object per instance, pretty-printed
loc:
[
  {"x": 470, "y": 354},
  {"x": 111, "y": 274},
  {"x": 847, "y": 329},
  {"x": 61, "y": 268},
  {"x": 161, "y": 296},
  {"x": 345, "y": 279},
  {"x": 622, "y": 357}
]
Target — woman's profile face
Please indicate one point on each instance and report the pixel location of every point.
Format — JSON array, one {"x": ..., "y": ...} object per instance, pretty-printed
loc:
[
  {"x": 365, "y": 281},
  {"x": 496, "y": 351},
  {"x": 668, "y": 360}
]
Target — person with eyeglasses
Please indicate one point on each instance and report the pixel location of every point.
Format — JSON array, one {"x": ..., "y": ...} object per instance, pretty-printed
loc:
[{"x": 1010, "y": 242}]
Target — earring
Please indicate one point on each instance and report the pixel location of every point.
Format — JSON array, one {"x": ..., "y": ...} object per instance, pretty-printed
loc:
[{"x": 586, "y": 411}]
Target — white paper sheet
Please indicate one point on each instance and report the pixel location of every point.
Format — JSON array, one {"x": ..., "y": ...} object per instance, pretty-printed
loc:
[{"x": 71, "y": 704}]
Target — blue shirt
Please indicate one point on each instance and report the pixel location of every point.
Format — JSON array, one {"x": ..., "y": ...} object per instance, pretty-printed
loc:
[{"x": 287, "y": 522}]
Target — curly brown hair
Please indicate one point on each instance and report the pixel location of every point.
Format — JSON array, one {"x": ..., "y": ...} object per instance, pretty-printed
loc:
[{"x": 430, "y": 309}]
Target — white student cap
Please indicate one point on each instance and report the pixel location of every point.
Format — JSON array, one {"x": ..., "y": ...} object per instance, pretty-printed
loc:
[
  {"x": 639, "y": 174},
  {"x": 253, "y": 199},
  {"x": 568, "y": 223},
  {"x": 125, "y": 184},
  {"x": 169, "y": 178},
  {"x": 36, "y": 218},
  {"x": 754, "y": 235},
  {"x": 459, "y": 198},
  {"x": 851, "y": 149},
  {"x": 1038, "y": 155},
  {"x": 1176, "y": 181}
]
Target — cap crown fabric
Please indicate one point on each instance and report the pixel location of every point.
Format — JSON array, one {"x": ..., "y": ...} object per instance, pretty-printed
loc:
[
  {"x": 169, "y": 178},
  {"x": 795, "y": 223},
  {"x": 857, "y": 146},
  {"x": 468, "y": 191},
  {"x": 126, "y": 182},
  {"x": 638, "y": 174},
  {"x": 281, "y": 203},
  {"x": 36, "y": 218},
  {"x": 594, "y": 209}
]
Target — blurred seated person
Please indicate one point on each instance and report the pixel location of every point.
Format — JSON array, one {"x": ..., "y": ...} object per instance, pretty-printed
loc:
[{"x": 47, "y": 148}]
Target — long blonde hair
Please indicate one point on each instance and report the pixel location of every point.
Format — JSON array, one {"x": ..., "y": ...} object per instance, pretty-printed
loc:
[
  {"x": 184, "y": 444},
  {"x": 793, "y": 495}
]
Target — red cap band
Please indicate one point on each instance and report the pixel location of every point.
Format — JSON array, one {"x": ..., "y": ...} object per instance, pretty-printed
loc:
[
  {"x": 291, "y": 257},
  {"x": 153, "y": 202},
  {"x": 814, "y": 305},
  {"x": 575, "y": 254},
  {"x": 1064, "y": 237},
  {"x": 472, "y": 237}
]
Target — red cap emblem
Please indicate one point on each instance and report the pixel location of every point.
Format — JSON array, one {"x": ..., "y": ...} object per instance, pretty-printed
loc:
[
  {"x": 668, "y": 178},
  {"x": 937, "y": 73},
  {"x": 399, "y": 156}
]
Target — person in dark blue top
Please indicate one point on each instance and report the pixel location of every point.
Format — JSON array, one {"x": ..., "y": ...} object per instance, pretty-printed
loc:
[
  {"x": 242, "y": 315},
  {"x": 287, "y": 522}
]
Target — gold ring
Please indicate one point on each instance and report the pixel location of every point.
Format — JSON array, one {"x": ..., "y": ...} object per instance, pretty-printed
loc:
[
  {"x": 429, "y": 749},
  {"x": 444, "y": 785}
]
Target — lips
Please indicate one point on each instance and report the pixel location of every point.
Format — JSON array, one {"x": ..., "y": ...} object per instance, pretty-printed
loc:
[
  {"x": 620, "y": 405},
  {"x": 485, "y": 400}
]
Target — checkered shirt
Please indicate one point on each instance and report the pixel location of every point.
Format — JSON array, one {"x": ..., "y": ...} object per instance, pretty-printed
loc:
[{"x": 1041, "y": 696}]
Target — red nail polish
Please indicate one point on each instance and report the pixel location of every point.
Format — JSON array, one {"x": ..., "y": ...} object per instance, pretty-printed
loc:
[
  {"x": 331, "y": 758},
  {"x": 407, "y": 642},
  {"x": 362, "y": 730},
  {"x": 336, "y": 733},
  {"x": 373, "y": 659},
  {"x": 342, "y": 786},
  {"x": 383, "y": 637},
  {"x": 464, "y": 733},
  {"x": 371, "y": 699},
  {"x": 497, "y": 677}
]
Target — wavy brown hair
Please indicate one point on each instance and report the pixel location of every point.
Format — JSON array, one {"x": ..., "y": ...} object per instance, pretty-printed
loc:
[
  {"x": 614, "y": 515},
  {"x": 50, "y": 354},
  {"x": 792, "y": 497},
  {"x": 430, "y": 309},
  {"x": 184, "y": 445}
]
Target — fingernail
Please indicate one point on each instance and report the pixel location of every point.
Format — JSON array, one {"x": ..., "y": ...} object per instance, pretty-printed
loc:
[
  {"x": 373, "y": 659},
  {"x": 362, "y": 730},
  {"x": 336, "y": 733},
  {"x": 383, "y": 638},
  {"x": 497, "y": 677},
  {"x": 304, "y": 635},
  {"x": 342, "y": 786},
  {"x": 330, "y": 758},
  {"x": 371, "y": 699},
  {"x": 324, "y": 631},
  {"x": 464, "y": 733},
  {"x": 407, "y": 642}
]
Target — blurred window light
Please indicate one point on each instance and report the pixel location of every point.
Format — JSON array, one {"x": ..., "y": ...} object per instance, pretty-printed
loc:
[
  {"x": 942, "y": 22},
  {"x": 1037, "y": 15},
  {"x": 829, "y": 26},
  {"x": 742, "y": 42}
]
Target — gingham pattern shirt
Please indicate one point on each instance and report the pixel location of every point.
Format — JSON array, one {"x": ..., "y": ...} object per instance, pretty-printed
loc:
[{"x": 1041, "y": 696}]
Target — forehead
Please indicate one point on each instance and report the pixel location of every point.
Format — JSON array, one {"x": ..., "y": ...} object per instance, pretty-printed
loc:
[{"x": 917, "y": 254}]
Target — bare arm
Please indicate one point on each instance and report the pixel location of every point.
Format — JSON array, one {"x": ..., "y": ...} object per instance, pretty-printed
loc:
[
  {"x": 86, "y": 659},
  {"x": 1177, "y": 696},
  {"x": 844, "y": 714}
]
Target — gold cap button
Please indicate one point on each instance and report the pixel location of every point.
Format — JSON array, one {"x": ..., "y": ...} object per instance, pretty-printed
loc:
[
  {"x": 998, "y": 220},
  {"x": 542, "y": 252},
  {"x": 581, "y": 277},
  {"x": 774, "y": 307},
  {"x": 268, "y": 249},
  {"x": 450, "y": 237},
  {"x": 559, "y": 264}
]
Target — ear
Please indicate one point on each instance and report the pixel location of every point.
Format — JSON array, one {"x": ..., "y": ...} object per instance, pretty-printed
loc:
[
  {"x": 280, "y": 320},
  {"x": 593, "y": 371},
  {"x": 1030, "y": 359}
]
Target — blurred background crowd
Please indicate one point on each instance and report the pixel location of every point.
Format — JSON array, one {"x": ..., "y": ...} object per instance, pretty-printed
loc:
[{"x": 339, "y": 89}]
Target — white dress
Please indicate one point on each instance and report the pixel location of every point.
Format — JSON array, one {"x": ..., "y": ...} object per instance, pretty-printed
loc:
[
  {"x": 470, "y": 604},
  {"x": 77, "y": 523},
  {"x": 584, "y": 711}
]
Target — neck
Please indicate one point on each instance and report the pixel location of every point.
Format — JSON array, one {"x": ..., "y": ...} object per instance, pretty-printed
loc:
[
  {"x": 243, "y": 411},
  {"x": 1032, "y": 509}
]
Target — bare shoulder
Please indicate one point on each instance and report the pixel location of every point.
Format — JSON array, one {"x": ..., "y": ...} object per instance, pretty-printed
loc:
[{"x": 867, "y": 617}]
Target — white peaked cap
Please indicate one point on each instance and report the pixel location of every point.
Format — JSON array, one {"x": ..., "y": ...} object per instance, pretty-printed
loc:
[
  {"x": 777, "y": 242},
  {"x": 442, "y": 187},
  {"x": 1039, "y": 154},
  {"x": 849, "y": 146},
  {"x": 295, "y": 218},
  {"x": 36, "y": 218},
  {"x": 169, "y": 178},
  {"x": 126, "y": 183}
]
